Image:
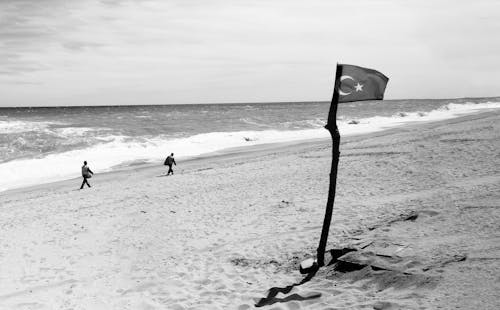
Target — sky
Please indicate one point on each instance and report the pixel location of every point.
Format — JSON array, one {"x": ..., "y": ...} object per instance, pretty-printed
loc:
[{"x": 113, "y": 52}]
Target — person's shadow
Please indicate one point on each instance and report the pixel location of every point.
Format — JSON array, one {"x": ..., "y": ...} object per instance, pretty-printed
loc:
[{"x": 272, "y": 299}]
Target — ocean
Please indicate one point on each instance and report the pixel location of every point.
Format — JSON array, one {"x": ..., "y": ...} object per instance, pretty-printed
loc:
[{"x": 40, "y": 145}]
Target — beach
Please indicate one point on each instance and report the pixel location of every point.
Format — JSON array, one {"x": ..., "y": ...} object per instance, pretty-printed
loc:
[{"x": 420, "y": 203}]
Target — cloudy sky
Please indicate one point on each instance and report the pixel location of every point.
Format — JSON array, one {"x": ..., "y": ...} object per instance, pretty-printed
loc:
[{"x": 91, "y": 52}]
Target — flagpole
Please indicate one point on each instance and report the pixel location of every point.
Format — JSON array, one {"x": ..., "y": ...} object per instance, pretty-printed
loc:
[{"x": 334, "y": 132}]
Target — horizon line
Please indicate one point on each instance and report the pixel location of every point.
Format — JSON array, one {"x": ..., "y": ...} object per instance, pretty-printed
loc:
[{"x": 230, "y": 103}]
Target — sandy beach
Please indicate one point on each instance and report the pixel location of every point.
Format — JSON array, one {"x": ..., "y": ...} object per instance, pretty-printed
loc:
[{"x": 419, "y": 204}]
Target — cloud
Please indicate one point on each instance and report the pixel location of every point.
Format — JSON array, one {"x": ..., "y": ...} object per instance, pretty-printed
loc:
[
  {"x": 229, "y": 51},
  {"x": 80, "y": 45}
]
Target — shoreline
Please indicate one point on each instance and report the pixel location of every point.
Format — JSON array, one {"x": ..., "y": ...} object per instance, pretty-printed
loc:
[
  {"x": 39, "y": 173},
  {"x": 232, "y": 153}
]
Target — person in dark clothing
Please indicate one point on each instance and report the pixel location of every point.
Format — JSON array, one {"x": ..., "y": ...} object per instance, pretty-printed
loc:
[
  {"x": 169, "y": 161},
  {"x": 86, "y": 174}
]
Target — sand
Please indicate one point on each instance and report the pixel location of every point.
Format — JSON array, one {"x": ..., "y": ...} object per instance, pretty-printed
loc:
[{"x": 420, "y": 204}]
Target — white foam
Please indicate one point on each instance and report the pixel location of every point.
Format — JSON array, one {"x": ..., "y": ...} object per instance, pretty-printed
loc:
[
  {"x": 75, "y": 131},
  {"x": 377, "y": 123},
  {"x": 311, "y": 123},
  {"x": 116, "y": 150},
  {"x": 17, "y": 126},
  {"x": 22, "y": 126}
]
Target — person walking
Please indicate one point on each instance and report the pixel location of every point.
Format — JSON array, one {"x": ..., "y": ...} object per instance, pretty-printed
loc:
[
  {"x": 169, "y": 161},
  {"x": 86, "y": 174}
]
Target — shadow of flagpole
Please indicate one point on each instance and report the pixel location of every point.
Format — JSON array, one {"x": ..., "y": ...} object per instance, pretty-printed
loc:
[{"x": 274, "y": 291}]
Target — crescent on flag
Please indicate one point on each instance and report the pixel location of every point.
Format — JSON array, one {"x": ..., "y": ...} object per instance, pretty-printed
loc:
[{"x": 344, "y": 77}]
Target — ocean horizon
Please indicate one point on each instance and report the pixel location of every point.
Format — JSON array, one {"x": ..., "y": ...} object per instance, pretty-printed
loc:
[{"x": 457, "y": 99}]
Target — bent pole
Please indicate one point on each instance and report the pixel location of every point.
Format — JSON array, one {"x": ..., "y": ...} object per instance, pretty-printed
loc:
[{"x": 334, "y": 132}]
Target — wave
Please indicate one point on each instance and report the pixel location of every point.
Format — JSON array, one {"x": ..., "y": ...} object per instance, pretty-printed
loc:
[
  {"x": 309, "y": 123},
  {"x": 54, "y": 128},
  {"x": 119, "y": 151},
  {"x": 254, "y": 122},
  {"x": 10, "y": 126},
  {"x": 20, "y": 139},
  {"x": 377, "y": 123},
  {"x": 76, "y": 131}
]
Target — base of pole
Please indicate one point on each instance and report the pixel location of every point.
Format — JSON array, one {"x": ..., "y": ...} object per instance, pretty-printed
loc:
[{"x": 308, "y": 266}]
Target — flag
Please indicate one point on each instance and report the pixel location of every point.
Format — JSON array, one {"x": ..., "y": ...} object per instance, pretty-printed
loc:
[{"x": 357, "y": 84}]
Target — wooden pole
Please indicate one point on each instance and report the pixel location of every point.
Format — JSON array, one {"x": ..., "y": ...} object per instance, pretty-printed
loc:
[{"x": 334, "y": 132}]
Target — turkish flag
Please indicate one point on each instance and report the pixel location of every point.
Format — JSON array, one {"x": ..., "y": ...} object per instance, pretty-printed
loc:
[{"x": 357, "y": 84}]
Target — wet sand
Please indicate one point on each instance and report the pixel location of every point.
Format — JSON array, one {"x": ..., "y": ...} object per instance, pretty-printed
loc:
[{"x": 420, "y": 204}]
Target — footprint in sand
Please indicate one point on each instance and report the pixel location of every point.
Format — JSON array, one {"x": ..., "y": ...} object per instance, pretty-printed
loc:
[
  {"x": 28, "y": 305},
  {"x": 429, "y": 212}
]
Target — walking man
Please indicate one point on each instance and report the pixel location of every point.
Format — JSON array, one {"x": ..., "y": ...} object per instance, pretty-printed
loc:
[
  {"x": 86, "y": 174},
  {"x": 169, "y": 162}
]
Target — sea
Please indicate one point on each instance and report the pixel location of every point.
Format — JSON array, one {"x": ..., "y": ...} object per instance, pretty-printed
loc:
[{"x": 46, "y": 144}]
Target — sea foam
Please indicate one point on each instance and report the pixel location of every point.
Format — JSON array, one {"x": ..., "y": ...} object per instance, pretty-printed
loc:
[{"x": 8, "y": 126}]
